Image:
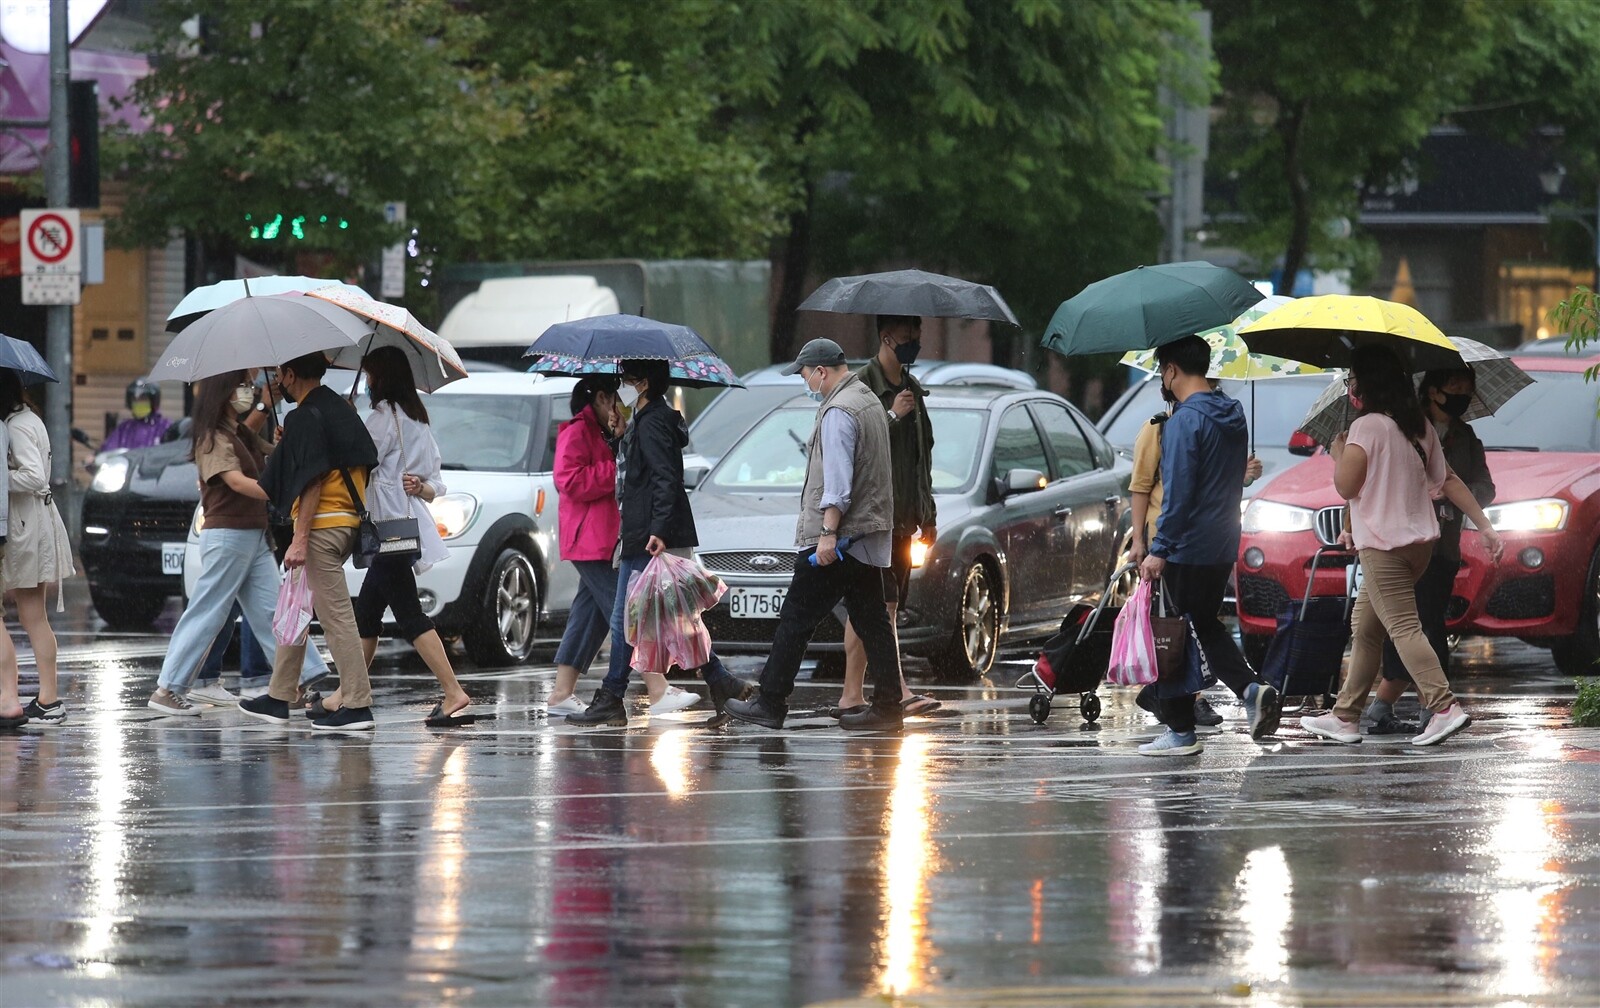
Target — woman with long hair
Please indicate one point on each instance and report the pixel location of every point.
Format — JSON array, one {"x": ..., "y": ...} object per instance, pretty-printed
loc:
[
  {"x": 1390, "y": 467},
  {"x": 37, "y": 551},
  {"x": 236, "y": 564},
  {"x": 409, "y": 467}
]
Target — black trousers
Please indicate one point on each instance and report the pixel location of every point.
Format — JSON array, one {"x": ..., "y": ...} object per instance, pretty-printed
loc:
[
  {"x": 813, "y": 592},
  {"x": 1434, "y": 589},
  {"x": 390, "y": 584},
  {"x": 1196, "y": 591}
]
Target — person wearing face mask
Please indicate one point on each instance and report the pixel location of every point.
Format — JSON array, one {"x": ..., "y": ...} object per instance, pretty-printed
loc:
[
  {"x": 1446, "y": 396},
  {"x": 146, "y": 426},
  {"x": 236, "y": 562},
  {"x": 843, "y": 538},
  {"x": 888, "y": 376},
  {"x": 655, "y": 519}
]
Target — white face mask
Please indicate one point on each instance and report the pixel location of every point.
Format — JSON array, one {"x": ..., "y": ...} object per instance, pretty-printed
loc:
[
  {"x": 628, "y": 396},
  {"x": 243, "y": 402}
]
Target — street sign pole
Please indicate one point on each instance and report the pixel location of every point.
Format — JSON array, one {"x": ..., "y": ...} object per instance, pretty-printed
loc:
[{"x": 58, "y": 317}]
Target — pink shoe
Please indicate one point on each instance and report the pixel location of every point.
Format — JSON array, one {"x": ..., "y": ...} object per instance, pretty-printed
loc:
[
  {"x": 1330, "y": 727},
  {"x": 1443, "y": 725}
]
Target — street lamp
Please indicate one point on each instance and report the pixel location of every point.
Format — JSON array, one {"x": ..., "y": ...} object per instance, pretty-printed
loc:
[{"x": 1551, "y": 178}]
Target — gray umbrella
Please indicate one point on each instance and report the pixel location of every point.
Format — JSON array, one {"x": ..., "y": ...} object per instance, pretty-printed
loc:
[{"x": 910, "y": 292}]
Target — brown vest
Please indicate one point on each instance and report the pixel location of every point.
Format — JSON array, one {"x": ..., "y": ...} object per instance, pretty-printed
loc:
[{"x": 872, "y": 479}]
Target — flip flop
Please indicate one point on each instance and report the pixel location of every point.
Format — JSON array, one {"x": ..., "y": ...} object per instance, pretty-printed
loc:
[
  {"x": 837, "y": 712},
  {"x": 919, "y": 704},
  {"x": 14, "y": 722},
  {"x": 437, "y": 718}
]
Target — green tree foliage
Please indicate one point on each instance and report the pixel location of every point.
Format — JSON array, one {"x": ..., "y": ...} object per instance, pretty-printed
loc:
[{"x": 1579, "y": 317}]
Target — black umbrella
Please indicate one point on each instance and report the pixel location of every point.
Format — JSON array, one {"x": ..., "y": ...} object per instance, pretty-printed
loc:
[{"x": 910, "y": 292}]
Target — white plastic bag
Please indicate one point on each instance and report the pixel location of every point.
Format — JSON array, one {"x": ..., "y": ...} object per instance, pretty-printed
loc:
[{"x": 291, "y": 620}]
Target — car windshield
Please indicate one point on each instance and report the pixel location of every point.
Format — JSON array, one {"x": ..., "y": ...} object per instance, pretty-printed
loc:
[
  {"x": 483, "y": 433},
  {"x": 1524, "y": 423},
  {"x": 773, "y": 455},
  {"x": 729, "y": 415},
  {"x": 1280, "y": 404}
]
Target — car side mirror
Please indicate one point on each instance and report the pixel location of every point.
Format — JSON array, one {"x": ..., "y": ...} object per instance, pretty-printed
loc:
[
  {"x": 1017, "y": 481},
  {"x": 1302, "y": 444},
  {"x": 694, "y": 476}
]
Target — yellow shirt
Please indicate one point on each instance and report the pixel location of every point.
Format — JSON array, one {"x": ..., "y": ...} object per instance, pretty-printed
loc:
[
  {"x": 1146, "y": 476},
  {"x": 335, "y": 509}
]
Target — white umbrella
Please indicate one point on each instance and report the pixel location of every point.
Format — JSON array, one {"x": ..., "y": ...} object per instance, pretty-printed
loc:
[
  {"x": 201, "y": 300},
  {"x": 257, "y": 332},
  {"x": 434, "y": 362}
]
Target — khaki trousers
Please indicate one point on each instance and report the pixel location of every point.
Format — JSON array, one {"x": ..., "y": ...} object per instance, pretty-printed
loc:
[
  {"x": 326, "y": 552},
  {"x": 1387, "y": 610}
]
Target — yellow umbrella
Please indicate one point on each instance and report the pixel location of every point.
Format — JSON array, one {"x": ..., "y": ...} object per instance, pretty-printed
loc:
[
  {"x": 1322, "y": 331},
  {"x": 1230, "y": 357}
]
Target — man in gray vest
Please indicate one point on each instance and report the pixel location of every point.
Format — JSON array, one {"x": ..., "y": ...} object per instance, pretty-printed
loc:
[{"x": 844, "y": 537}]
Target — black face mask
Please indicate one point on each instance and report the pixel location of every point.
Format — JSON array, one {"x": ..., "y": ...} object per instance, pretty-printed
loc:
[
  {"x": 283, "y": 393},
  {"x": 1167, "y": 394},
  {"x": 1455, "y": 404},
  {"x": 906, "y": 353}
]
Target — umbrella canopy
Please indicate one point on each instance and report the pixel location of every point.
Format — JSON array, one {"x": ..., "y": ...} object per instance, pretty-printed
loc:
[
  {"x": 1326, "y": 329},
  {"x": 910, "y": 292},
  {"x": 23, "y": 358},
  {"x": 434, "y": 362},
  {"x": 1230, "y": 357},
  {"x": 258, "y": 332},
  {"x": 598, "y": 345},
  {"x": 197, "y": 302},
  {"x": 1148, "y": 306},
  {"x": 1497, "y": 378}
]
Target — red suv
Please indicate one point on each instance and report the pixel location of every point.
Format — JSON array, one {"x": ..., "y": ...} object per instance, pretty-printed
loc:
[{"x": 1544, "y": 453}]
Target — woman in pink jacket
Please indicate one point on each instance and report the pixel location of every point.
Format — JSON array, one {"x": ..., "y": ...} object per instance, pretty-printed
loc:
[{"x": 586, "y": 482}]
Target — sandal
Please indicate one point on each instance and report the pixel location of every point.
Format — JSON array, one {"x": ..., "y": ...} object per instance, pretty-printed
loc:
[
  {"x": 437, "y": 718},
  {"x": 838, "y": 712},
  {"x": 315, "y": 709},
  {"x": 14, "y": 722},
  {"x": 919, "y": 704}
]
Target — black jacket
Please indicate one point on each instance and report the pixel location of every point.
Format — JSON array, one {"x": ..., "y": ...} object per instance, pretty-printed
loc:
[
  {"x": 322, "y": 433},
  {"x": 654, "y": 501}
]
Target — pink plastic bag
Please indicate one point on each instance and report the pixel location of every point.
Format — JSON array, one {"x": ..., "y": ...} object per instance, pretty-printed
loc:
[
  {"x": 291, "y": 620},
  {"x": 1133, "y": 644},
  {"x": 662, "y": 622}
]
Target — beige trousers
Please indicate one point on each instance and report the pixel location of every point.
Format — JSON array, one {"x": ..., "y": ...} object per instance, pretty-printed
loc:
[
  {"x": 326, "y": 552},
  {"x": 1387, "y": 609}
]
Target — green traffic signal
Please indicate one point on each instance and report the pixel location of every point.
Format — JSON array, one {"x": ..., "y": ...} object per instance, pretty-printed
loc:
[{"x": 297, "y": 225}]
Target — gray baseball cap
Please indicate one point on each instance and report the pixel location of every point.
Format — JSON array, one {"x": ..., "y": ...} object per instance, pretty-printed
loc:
[{"x": 817, "y": 353}]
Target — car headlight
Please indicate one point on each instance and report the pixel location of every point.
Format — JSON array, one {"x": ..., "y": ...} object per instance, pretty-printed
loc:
[
  {"x": 1548, "y": 514},
  {"x": 198, "y": 523},
  {"x": 1271, "y": 516},
  {"x": 453, "y": 513},
  {"x": 919, "y": 553},
  {"x": 111, "y": 476}
]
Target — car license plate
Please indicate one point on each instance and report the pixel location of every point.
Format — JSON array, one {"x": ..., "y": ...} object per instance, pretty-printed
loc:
[
  {"x": 756, "y": 603},
  {"x": 1352, "y": 579},
  {"x": 172, "y": 558}
]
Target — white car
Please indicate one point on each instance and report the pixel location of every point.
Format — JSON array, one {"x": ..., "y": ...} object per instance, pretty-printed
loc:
[{"x": 503, "y": 585}]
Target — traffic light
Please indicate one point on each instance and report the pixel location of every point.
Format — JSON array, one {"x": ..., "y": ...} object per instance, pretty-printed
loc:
[
  {"x": 83, "y": 133},
  {"x": 270, "y": 227}
]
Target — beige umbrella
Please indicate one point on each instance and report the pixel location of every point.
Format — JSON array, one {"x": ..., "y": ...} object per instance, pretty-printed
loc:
[{"x": 434, "y": 362}]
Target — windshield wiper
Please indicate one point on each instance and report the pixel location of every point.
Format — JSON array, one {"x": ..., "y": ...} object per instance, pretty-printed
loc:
[
  {"x": 796, "y": 439},
  {"x": 1515, "y": 448},
  {"x": 456, "y": 466}
]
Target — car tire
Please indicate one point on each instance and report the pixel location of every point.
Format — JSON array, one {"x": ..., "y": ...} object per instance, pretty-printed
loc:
[
  {"x": 1255, "y": 647},
  {"x": 502, "y": 632},
  {"x": 975, "y": 642},
  {"x": 125, "y": 612},
  {"x": 1577, "y": 655}
]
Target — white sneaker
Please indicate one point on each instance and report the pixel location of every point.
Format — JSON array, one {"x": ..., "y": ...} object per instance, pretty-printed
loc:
[
  {"x": 571, "y": 705},
  {"x": 674, "y": 699},
  {"x": 171, "y": 703},
  {"x": 1330, "y": 727},
  {"x": 251, "y": 692},
  {"x": 1442, "y": 725},
  {"x": 214, "y": 694},
  {"x": 1171, "y": 743}
]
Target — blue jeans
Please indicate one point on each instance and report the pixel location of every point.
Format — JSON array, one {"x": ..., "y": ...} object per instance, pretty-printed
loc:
[
  {"x": 254, "y": 669},
  {"x": 590, "y": 618},
  {"x": 616, "y": 681},
  {"x": 235, "y": 566}
]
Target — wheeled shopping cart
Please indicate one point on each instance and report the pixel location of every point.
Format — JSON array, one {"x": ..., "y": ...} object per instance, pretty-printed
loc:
[{"x": 1076, "y": 658}]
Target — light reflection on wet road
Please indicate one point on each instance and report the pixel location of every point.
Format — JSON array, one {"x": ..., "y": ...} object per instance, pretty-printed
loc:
[{"x": 980, "y": 859}]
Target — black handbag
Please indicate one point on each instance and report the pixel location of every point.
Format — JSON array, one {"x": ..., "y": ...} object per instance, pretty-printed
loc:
[{"x": 400, "y": 538}]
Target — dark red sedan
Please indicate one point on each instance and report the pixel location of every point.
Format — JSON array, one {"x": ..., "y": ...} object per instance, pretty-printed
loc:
[{"x": 1544, "y": 453}]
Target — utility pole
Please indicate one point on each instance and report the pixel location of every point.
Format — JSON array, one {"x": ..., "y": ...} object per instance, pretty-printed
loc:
[{"x": 58, "y": 317}]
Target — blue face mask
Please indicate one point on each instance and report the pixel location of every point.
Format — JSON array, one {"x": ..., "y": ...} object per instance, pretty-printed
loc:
[{"x": 815, "y": 395}]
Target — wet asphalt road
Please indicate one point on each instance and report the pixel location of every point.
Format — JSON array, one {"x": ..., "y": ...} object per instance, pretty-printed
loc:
[{"x": 978, "y": 859}]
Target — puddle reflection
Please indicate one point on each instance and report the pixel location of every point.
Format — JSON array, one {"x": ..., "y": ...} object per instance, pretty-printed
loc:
[
  {"x": 670, "y": 758},
  {"x": 908, "y": 860},
  {"x": 108, "y": 830}
]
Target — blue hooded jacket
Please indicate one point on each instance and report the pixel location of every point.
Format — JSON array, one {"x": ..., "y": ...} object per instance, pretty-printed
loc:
[{"x": 1204, "y": 448}]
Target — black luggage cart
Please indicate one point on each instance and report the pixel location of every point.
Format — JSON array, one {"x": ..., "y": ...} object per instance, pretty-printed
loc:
[
  {"x": 1306, "y": 655},
  {"x": 1076, "y": 658}
]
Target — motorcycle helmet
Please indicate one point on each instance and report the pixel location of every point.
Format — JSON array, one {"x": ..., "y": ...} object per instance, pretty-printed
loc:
[{"x": 143, "y": 388}]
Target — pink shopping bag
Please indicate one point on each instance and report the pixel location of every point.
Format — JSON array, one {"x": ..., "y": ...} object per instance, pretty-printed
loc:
[
  {"x": 291, "y": 620},
  {"x": 663, "y": 614},
  {"x": 1133, "y": 645}
]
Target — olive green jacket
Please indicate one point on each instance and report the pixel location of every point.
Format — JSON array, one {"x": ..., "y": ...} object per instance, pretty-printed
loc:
[{"x": 910, "y": 452}]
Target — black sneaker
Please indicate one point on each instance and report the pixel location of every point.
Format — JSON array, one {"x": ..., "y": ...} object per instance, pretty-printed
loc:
[
  {"x": 266, "y": 708},
  {"x": 1205, "y": 714},
  {"x": 730, "y": 688},
  {"x": 755, "y": 712},
  {"x": 346, "y": 719},
  {"x": 1391, "y": 725},
  {"x": 604, "y": 709},
  {"x": 48, "y": 715},
  {"x": 877, "y": 717}
]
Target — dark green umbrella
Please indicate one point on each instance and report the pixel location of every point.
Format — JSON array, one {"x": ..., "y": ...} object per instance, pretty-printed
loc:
[{"x": 1148, "y": 306}]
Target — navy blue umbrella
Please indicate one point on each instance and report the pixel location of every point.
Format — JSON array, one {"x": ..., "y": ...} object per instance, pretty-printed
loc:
[
  {"x": 22, "y": 358},
  {"x": 597, "y": 345}
]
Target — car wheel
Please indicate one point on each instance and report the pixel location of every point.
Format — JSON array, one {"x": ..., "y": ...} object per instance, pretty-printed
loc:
[
  {"x": 1255, "y": 649},
  {"x": 124, "y": 612},
  {"x": 502, "y": 631},
  {"x": 1577, "y": 655},
  {"x": 976, "y": 640}
]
